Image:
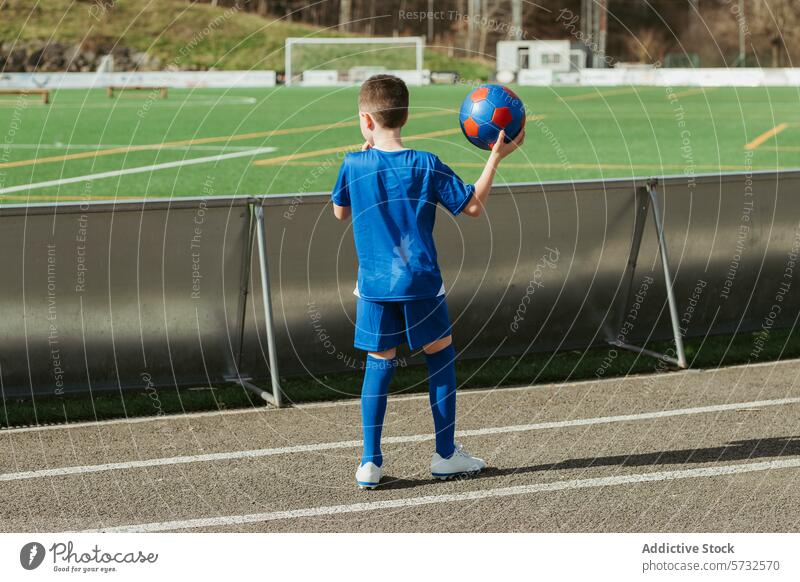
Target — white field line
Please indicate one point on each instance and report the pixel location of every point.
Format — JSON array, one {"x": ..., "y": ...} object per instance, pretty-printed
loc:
[
  {"x": 137, "y": 170},
  {"x": 395, "y": 398},
  {"x": 315, "y": 447},
  {"x": 97, "y": 146},
  {"x": 573, "y": 484}
]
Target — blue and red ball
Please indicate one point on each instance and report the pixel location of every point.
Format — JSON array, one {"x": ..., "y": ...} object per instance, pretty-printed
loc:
[{"x": 489, "y": 109}]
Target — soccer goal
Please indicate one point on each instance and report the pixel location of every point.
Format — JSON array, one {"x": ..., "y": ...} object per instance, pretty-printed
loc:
[{"x": 321, "y": 61}]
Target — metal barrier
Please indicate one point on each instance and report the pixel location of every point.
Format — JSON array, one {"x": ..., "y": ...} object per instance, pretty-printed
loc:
[
  {"x": 145, "y": 294},
  {"x": 734, "y": 237},
  {"x": 103, "y": 296},
  {"x": 556, "y": 266}
]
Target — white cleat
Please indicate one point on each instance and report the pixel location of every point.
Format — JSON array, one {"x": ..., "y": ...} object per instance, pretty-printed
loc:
[
  {"x": 368, "y": 476},
  {"x": 459, "y": 463}
]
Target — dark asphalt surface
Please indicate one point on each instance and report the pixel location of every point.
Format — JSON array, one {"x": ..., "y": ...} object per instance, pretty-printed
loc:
[{"x": 765, "y": 500}]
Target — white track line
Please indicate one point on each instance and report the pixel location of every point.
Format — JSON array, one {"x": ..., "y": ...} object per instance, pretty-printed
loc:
[
  {"x": 137, "y": 170},
  {"x": 394, "y": 398},
  {"x": 315, "y": 447},
  {"x": 457, "y": 497}
]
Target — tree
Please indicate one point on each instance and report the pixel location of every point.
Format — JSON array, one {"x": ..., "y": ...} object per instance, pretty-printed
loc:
[{"x": 777, "y": 22}]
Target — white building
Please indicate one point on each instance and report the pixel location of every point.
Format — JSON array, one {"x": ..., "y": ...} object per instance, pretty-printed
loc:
[{"x": 557, "y": 56}]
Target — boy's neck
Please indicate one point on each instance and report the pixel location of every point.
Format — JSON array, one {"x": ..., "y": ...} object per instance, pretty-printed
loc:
[{"x": 387, "y": 139}]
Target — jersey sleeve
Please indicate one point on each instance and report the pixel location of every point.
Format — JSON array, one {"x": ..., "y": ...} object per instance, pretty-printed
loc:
[
  {"x": 341, "y": 191},
  {"x": 449, "y": 189}
]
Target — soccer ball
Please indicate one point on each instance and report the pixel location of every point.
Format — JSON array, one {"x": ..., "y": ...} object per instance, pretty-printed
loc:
[{"x": 486, "y": 111}]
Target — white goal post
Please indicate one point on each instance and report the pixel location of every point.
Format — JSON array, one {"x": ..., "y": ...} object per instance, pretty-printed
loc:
[{"x": 319, "y": 61}]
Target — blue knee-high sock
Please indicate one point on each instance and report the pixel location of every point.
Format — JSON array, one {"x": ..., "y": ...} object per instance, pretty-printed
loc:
[
  {"x": 374, "y": 393},
  {"x": 442, "y": 382}
]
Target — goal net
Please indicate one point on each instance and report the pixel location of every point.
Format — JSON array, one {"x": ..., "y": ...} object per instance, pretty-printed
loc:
[{"x": 319, "y": 61}]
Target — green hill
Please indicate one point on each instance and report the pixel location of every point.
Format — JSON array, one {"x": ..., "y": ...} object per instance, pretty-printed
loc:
[{"x": 160, "y": 34}]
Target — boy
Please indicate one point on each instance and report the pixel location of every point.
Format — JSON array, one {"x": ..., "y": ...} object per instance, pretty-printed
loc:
[{"x": 392, "y": 193}]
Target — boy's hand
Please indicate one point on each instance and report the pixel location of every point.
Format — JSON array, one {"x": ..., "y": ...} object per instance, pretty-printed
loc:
[{"x": 501, "y": 149}]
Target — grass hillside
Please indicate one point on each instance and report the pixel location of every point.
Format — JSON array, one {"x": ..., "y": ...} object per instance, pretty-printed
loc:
[{"x": 179, "y": 34}]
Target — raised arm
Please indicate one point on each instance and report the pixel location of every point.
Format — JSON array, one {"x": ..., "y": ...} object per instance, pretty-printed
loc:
[{"x": 484, "y": 184}]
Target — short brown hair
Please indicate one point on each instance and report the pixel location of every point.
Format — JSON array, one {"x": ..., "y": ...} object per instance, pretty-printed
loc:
[{"x": 385, "y": 97}]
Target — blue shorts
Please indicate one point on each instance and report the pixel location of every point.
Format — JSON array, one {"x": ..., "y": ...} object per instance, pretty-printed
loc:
[{"x": 382, "y": 325}]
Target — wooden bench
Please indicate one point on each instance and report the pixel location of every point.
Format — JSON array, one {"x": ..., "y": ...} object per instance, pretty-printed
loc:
[
  {"x": 111, "y": 88},
  {"x": 45, "y": 93}
]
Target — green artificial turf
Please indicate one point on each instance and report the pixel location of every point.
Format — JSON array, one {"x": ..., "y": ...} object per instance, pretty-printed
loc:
[{"x": 582, "y": 132}]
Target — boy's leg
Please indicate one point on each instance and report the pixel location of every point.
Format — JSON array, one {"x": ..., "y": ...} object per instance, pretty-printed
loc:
[
  {"x": 450, "y": 459},
  {"x": 429, "y": 327},
  {"x": 441, "y": 356},
  {"x": 374, "y": 394},
  {"x": 379, "y": 327}
]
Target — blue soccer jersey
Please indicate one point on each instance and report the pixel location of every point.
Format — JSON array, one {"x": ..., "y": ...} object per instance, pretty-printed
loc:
[{"x": 393, "y": 196}]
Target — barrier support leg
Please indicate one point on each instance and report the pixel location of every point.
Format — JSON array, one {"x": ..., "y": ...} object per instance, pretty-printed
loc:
[
  {"x": 642, "y": 209},
  {"x": 274, "y": 397},
  {"x": 680, "y": 361}
]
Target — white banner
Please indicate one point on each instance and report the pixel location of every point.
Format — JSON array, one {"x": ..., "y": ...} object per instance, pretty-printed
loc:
[
  {"x": 137, "y": 557},
  {"x": 663, "y": 77},
  {"x": 535, "y": 77},
  {"x": 176, "y": 79}
]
